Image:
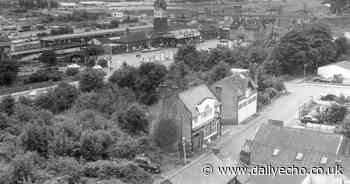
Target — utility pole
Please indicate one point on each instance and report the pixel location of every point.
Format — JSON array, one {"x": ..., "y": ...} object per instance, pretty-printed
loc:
[{"x": 184, "y": 149}]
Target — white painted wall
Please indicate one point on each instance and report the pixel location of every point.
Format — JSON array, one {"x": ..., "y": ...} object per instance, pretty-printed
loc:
[
  {"x": 330, "y": 70},
  {"x": 201, "y": 119},
  {"x": 248, "y": 110}
]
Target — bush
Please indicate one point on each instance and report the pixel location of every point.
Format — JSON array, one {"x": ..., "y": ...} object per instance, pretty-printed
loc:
[
  {"x": 48, "y": 58},
  {"x": 101, "y": 169},
  {"x": 134, "y": 120},
  {"x": 128, "y": 172},
  {"x": 165, "y": 133},
  {"x": 133, "y": 174},
  {"x": 7, "y": 105},
  {"x": 8, "y": 72},
  {"x": 59, "y": 99},
  {"x": 66, "y": 166},
  {"x": 103, "y": 63},
  {"x": 94, "y": 144},
  {"x": 22, "y": 168},
  {"x": 24, "y": 113},
  {"x": 90, "y": 80},
  {"x": 90, "y": 120},
  {"x": 72, "y": 71},
  {"x": 45, "y": 75},
  {"x": 36, "y": 138},
  {"x": 126, "y": 148}
]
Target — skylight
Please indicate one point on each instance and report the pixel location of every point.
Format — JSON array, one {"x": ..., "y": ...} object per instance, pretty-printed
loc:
[
  {"x": 324, "y": 160},
  {"x": 275, "y": 152},
  {"x": 299, "y": 156}
]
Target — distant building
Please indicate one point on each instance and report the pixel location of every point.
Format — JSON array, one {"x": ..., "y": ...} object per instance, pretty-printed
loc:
[
  {"x": 238, "y": 96},
  {"x": 328, "y": 71},
  {"x": 5, "y": 46},
  {"x": 277, "y": 145},
  {"x": 197, "y": 112},
  {"x": 118, "y": 14},
  {"x": 247, "y": 28}
]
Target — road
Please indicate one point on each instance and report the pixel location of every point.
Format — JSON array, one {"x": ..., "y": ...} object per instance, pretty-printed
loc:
[{"x": 284, "y": 108}]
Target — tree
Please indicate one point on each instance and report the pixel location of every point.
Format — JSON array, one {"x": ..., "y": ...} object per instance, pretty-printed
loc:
[
  {"x": 342, "y": 45},
  {"x": 333, "y": 114},
  {"x": 59, "y": 99},
  {"x": 64, "y": 96},
  {"x": 48, "y": 57},
  {"x": 311, "y": 46},
  {"x": 134, "y": 120},
  {"x": 8, "y": 72},
  {"x": 90, "y": 80},
  {"x": 94, "y": 144},
  {"x": 219, "y": 71},
  {"x": 114, "y": 23},
  {"x": 103, "y": 63},
  {"x": 150, "y": 75},
  {"x": 36, "y": 137},
  {"x": 125, "y": 76},
  {"x": 7, "y": 105},
  {"x": 190, "y": 56},
  {"x": 165, "y": 133}
]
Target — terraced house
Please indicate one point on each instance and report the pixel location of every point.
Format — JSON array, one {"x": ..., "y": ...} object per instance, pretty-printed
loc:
[
  {"x": 238, "y": 95},
  {"x": 197, "y": 112}
]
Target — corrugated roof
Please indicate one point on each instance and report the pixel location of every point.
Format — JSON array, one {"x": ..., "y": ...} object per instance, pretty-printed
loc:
[{"x": 193, "y": 96}]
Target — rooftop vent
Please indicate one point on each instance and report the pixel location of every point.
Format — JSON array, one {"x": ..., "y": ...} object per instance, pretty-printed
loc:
[
  {"x": 323, "y": 160},
  {"x": 276, "y": 152},
  {"x": 299, "y": 156}
]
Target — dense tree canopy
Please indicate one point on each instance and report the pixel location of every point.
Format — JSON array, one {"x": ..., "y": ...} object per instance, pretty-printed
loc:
[
  {"x": 48, "y": 57},
  {"x": 311, "y": 46},
  {"x": 8, "y": 72}
]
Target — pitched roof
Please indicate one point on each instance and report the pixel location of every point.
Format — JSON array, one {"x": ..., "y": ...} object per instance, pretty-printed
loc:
[
  {"x": 192, "y": 173},
  {"x": 343, "y": 64},
  {"x": 299, "y": 139},
  {"x": 133, "y": 37},
  {"x": 193, "y": 96},
  {"x": 4, "y": 41},
  {"x": 238, "y": 83}
]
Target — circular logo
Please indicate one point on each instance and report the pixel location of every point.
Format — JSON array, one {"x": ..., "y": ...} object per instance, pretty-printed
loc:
[{"x": 207, "y": 169}]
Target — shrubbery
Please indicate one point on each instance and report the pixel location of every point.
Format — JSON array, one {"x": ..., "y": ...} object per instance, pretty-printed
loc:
[{"x": 72, "y": 71}]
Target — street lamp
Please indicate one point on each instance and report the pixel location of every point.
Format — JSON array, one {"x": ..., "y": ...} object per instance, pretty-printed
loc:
[{"x": 305, "y": 65}]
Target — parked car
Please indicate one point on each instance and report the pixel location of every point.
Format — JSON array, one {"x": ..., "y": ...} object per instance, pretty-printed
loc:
[
  {"x": 320, "y": 79},
  {"x": 146, "y": 163},
  {"x": 310, "y": 119}
]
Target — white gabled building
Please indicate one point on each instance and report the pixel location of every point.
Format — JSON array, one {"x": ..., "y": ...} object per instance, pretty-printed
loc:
[{"x": 328, "y": 71}]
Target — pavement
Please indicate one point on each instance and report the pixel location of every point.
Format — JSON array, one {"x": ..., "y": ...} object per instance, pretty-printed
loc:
[{"x": 284, "y": 108}]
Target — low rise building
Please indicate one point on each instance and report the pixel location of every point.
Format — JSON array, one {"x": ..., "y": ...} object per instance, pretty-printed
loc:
[
  {"x": 279, "y": 146},
  {"x": 238, "y": 96},
  {"x": 5, "y": 46},
  {"x": 340, "y": 68},
  {"x": 197, "y": 112}
]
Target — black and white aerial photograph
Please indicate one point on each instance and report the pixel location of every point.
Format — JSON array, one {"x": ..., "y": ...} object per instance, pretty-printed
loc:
[{"x": 174, "y": 91}]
